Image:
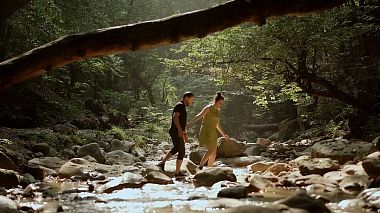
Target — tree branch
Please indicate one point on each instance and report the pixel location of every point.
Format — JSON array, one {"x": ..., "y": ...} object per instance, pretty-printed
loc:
[{"x": 151, "y": 34}]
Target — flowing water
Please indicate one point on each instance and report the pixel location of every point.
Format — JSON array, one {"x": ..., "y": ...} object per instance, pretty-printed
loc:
[{"x": 178, "y": 197}]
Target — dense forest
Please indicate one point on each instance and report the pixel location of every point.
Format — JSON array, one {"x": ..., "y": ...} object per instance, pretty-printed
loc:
[{"x": 295, "y": 78}]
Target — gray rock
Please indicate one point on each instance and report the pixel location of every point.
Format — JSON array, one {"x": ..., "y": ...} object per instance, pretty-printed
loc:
[
  {"x": 39, "y": 172},
  {"x": 341, "y": 150},
  {"x": 234, "y": 192},
  {"x": 187, "y": 167},
  {"x": 302, "y": 200},
  {"x": 128, "y": 180},
  {"x": 241, "y": 161},
  {"x": 229, "y": 148},
  {"x": 53, "y": 163},
  {"x": 255, "y": 150},
  {"x": 376, "y": 143},
  {"x": 288, "y": 129},
  {"x": 121, "y": 158},
  {"x": 261, "y": 166},
  {"x": 92, "y": 149},
  {"x": 158, "y": 178},
  {"x": 259, "y": 209},
  {"x": 90, "y": 159},
  {"x": 80, "y": 167},
  {"x": 196, "y": 156},
  {"x": 6, "y": 162},
  {"x": 210, "y": 176},
  {"x": 125, "y": 146},
  {"x": 320, "y": 166},
  {"x": 257, "y": 183},
  {"x": 44, "y": 148},
  {"x": 371, "y": 165},
  {"x": 7, "y": 205},
  {"x": 371, "y": 197},
  {"x": 354, "y": 184},
  {"x": 9, "y": 178},
  {"x": 67, "y": 129}
]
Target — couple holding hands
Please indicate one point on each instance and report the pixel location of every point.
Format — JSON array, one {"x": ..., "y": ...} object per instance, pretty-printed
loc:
[{"x": 210, "y": 116}]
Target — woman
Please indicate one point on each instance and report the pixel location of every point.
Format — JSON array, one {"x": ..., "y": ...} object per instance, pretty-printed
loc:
[{"x": 210, "y": 126}]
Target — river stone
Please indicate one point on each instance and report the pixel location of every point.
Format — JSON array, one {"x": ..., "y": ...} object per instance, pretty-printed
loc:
[
  {"x": 196, "y": 156},
  {"x": 39, "y": 172},
  {"x": 121, "y": 158},
  {"x": 80, "y": 167},
  {"x": 9, "y": 178},
  {"x": 7, "y": 205},
  {"x": 89, "y": 159},
  {"x": 6, "y": 162},
  {"x": 354, "y": 169},
  {"x": 187, "y": 167},
  {"x": 209, "y": 176},
  {"x": 277, "y": 168},
  {"x": 261, "y": 166},
  {"x": 158, "y": 178},
  {"x": 257, "y": 183},
  {"x": 124, "y": 145},
  {"x": 127, "y": 180},
  {"x": 229, "y": 148},
  {"x": 259, "y": 209},
  {"x": 335, "y": 176},
  {"x": 354, "y": 184},
  {"x": 255, "y": 150},
  {"x": 371, "y": 165},
  {"x": 44, "y": 148},
  {"x": 53, "y": 163},
  {"x": 234, "y": 192},
  {"x": 67, "y": 129},
  {"x": 376, "y": 143},
  {"x": 371, "y": 197},
  {"x": 263, "y": 141},
  {"x": 241, "y": 161},
  {"x": 320, "y": 166},
  {"x": 92, "y": 149},
  {"x": 302, "y": 200},
  {"x": 341, "y": 150}
]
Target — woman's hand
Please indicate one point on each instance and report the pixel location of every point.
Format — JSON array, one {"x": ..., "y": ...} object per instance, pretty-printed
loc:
[{"x": 226, "y": 137}]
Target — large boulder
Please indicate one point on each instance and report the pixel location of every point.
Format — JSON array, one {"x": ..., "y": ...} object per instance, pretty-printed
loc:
[
  {"x": 125, "y": 146},
  {"x": 44, "y": 148},
  {"x": 53, "y": 163},
  {"x": 187, "y": 167},
  {"x": 277, "y": 168},
  {"x": 158, "y": 178},
  {"x": 320, "y": 166},
  {"x": 67, "y": 129},
  {"x": 196, "y": 156},
  {"x": 7, "y": 205},
  {"x": 371, "y": 165},
  {"x": 354, "y": 184},
  {"x": 287, "y": 129},
  {"x": 121, "y": 158},
  {"x": 9, "y": 178},
  {"x": 229, "y": 148},
  {"x": 376, "y": 143},
  {"x": 209, "y": 176},
  {"x": 39, "y": 172},
  {"x": 92, "y": 149},
  {"x": 80, "y": 167},
  {"x": 261, "y": 166},
  {"x": 6, "y": 162},
  {"x": 234, "y": 192},
  {"x": 341, "y": 150},
  {"x": 371, "y": 197},
  {"x": 257, "y": 183},
  {"x": 302, "y": 200},
  {"x": 255, "y": 150}
]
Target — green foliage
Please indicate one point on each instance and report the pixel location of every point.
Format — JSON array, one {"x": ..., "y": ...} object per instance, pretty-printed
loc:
[{"x": 118, "y": 133}]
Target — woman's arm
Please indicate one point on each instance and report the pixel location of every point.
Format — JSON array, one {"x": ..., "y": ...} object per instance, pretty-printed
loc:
[
  {"x": 220, "y": 129},
  {"x": 199, "y": 116}
]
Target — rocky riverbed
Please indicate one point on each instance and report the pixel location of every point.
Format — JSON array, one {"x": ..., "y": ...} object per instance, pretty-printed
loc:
[{"x": 312, "y": 175}]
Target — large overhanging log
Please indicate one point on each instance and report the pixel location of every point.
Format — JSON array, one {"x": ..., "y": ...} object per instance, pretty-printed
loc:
[{"x": 151, "y": 34}]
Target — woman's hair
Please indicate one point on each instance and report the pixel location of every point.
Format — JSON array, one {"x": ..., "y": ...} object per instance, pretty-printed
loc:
[{"x": 218, "y": 97}]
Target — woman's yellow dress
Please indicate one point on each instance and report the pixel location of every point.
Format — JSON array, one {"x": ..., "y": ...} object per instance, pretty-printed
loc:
[{"x": 208, "y": 134}]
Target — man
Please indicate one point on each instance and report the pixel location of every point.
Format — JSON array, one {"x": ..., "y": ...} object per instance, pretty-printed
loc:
[{"x": 178, "y": 133}]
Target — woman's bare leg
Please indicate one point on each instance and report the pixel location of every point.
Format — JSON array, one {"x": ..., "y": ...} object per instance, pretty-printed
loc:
[{"x": 211, "y": 158}]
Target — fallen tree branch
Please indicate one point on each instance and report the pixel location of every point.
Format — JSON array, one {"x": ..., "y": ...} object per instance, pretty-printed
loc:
[{"x": 151, "y": 34}]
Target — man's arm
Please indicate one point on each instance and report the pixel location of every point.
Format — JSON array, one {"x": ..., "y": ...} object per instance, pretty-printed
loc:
[{"x": 177, "y": 124}]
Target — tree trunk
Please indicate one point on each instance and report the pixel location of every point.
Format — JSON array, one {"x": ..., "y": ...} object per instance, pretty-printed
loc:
[{"x": 150, "y": 34}]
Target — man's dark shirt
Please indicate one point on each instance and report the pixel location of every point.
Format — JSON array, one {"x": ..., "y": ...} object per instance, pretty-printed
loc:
[{"x": 181, "y": 108}]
